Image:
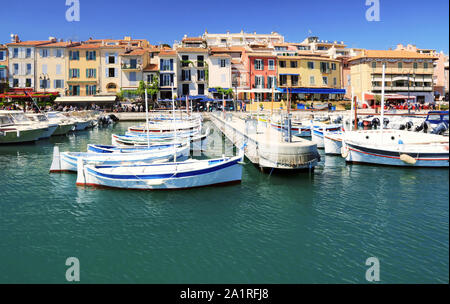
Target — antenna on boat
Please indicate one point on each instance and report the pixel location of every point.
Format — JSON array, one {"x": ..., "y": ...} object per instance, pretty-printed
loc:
[
  {"x": 382, "y": 95},
  {"x": 146, "y": 117}
]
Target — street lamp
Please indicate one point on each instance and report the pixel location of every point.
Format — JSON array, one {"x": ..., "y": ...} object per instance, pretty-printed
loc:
[{"x": 44, "y": 78}]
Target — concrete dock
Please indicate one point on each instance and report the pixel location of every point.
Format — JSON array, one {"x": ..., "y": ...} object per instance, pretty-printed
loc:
[{"x": 265, "y": 146}]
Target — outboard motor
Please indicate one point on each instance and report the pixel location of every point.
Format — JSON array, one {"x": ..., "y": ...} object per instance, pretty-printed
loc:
[
  {"x": 426, "y": 126},
  {"x": 376, "y": 122},
  {"x": 114, "y": 117},
  {"x": 408, "y": 125},
  {"x": 385, "y": 122},
  {"x": 402, "y": 126},
  {"x": 440, "y": 129}
]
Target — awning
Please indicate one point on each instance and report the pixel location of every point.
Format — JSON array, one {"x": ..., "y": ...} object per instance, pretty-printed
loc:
[
  {"x": 86, "y": 99},
  {"x": 389, "y": 96},
  {"x": 214, "y": 90},
  {"x": 3, "y": 66},
  {"x": 256, "y": 91},
  {"x": 312, "y": 91},
  {"x": 289, "y": 74}
]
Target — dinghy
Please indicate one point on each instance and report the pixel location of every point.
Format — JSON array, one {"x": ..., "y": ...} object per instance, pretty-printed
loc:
[
  {"x": 332, "y": 142},
  {"x": 179, "y": 175},
  {"x": 67, "y": 161},
  {"x": 128, "y": 149},
  {"x": 317, "y": 133}
]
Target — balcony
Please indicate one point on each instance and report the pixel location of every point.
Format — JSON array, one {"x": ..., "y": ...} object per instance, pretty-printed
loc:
[{"x": 131, "y": 67}]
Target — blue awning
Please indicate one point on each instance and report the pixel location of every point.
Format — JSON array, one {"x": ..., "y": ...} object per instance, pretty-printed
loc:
[
  {"x": 312, "y": 91},
  {"x": 289, "y": 74},
  {"x": 214, "y": 90}
]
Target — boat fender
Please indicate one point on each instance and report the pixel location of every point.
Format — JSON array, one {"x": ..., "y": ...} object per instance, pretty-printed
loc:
[
  {"x": 344, "y": 152},
  {"x": 408, "y": 159},
  {"x": 18, "y": 133}
]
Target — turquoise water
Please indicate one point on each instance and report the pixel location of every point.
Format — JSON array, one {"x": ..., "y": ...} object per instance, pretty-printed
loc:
[{"x": 301, "y": 228}]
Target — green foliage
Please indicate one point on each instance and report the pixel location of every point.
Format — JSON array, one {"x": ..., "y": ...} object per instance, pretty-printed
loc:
[{"x": 348, "y": 105}]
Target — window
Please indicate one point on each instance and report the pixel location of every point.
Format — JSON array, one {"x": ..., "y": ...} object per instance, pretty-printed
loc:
[
  {"x": 325, "y": 80},
  {"x": 74, "y": 90},
  {"x": 58, "y": 53},
  {"x": 29, "y": 68},
  {"x": 28, "y": 82},
  {"x": 271, "y": 82},
  {"x": 294, "y": 80},
  {"x": 271, "y": 64},
  {"x": 166, "y": 80},
  {"x": 111, "y": 72},
  {"x": 28, "y": 54},
  {"x": 111, "y": 59},
  {"x": 335, "y": 81},
  {"x": 415, "y": 65},
  {"x": 259, "y": 64},
  {"x": 223, "y": 40},
  {"x": 325, "y": 67},
  {"x": 185, "y": 75},
  {"x": 91, "y": 89},
  {"x": 90, "y": 55},
  {"x": 294, "y": 64},
  {"x": 200, "y": 62},
  {"x": 200, "y": 75},
  {"x": 201, "y": 89},
  {"x": 74, "y": 55},
  {"x": 282, "y": 64},
  {"x": 59, "y": 84},
  {"x": 311, "y": 65},
  {"x": 184, "y": 61},
  {"x": 132, "y": 76},
  {"x": 44, "y": 84},
  {"x": 150, "y": 78},
  {"x": 312, "y": 80},
  {"x": 16, "y": 68},
  {"x": 2, "y": 55},
  {"x": 283, "y": 80},
  {"x": 44, "y": 53},
  {"x": 166, "y": 65},
  {"x": 74, "y": 73},
  {"x": 15, "y": 53},
  {"x": 58, "y": 69},
  {"x": 333, "y": 66},
  {"x": 185, "y": 89},
  {"x": 223, "y": 63},
  {"x": 374, "y": 64},
  {"x": 425, "y": 65},
  {"x": 2, "y": 74},
  {"x": 91, "y": 73},
  {"x": 400, "y": 65},
  {"x": 259, "y": 81},
  {"x": 15, "y": 83}
]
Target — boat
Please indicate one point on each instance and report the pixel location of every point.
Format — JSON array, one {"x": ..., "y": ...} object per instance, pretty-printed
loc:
[
  {"x": 177, "y": 175},
  {"x": 10, "y": 133},
  {"x": 128, "y": 149},
  {"x": 396, "y": 148},
  {"x": 297, "y": 128},
  {"x": 332, "y": 142},
  {"x": 40, "y": 118},
  {"x": 317, "y": 132},
  {"x": 65, "y": 124},
  {"x": 167, "y": 127},
  {"x": 67, "y": 161}
]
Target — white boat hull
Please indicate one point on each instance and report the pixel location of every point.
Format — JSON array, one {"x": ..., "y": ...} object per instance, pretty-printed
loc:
[{"x": 332, "y": 144}]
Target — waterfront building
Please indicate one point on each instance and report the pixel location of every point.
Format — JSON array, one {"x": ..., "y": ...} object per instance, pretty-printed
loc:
[
  {"x": 168, "y": 67},
  {"x": 51, "y": 69},
  {"x": 22, "y": 61},
  {"x": 310, "y": 77},
  {"x": 219, "y": 65},
  {"x": 241, "y": 39},
  {"x": 192, "y": 67},
  {"x": 447, "y": 79},
  {"x": 406, "y": 73},
  {"x": 3, "y": 68},
  {"x": 133, "y": 62},
  {"x": 439, "y": 82},
  {"x": 110, "y": 61},
  {"x": 262, "y": 73}
]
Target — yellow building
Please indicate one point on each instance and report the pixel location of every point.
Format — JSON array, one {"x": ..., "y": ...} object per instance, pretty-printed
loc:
[
  {"x": 51, "y": 71},
  {"x": 83, "y": 70},
  {"x": 311, "y": 77},
  {"x": 405, "y": 73}
]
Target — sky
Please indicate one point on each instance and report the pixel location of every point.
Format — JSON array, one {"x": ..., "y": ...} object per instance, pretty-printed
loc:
[{"x": 423, "y": 23}]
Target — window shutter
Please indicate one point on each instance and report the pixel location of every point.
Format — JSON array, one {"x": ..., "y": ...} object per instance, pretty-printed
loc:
[
  {"x": 255, "y": 65},
  {"x": 62, "y": 84},
  {"x": 95, "y": 73},
  {"x": 116, "y": 72},
  {"x": 106, "y": 72},
  {"x": 262, "y": 82},
  {"x": 161, "y": 64},
  {"x": 54, "y": 84},
  {"x": 115, "y": 58},
  {"x": 106, "y": 58},
  {"x": 95, "y": 55},
  {"x": 171, "y": 64},
  {"x": 262, "y": 68}
]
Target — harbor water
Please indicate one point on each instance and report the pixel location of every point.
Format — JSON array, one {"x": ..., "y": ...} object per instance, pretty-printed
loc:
[{"x": 317, "y": 227}]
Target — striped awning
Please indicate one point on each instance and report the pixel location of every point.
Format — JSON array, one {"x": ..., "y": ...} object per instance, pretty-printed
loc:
[{"x": 312, "y": 90}]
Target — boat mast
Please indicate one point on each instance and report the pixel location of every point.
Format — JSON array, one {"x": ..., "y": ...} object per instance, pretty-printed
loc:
[
  {"x": 174, "y": 127},
  {"x": 351, "y": 111},
  {"x": 382, "y": 96},
  {"x": 146, "y": 117}
]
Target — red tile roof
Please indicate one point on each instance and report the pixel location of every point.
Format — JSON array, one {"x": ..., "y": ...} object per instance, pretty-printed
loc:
[
  {"x": 151, "y": 68},
  {"x": 167, "y": 53},
  {"x": 191, "y": 50},
  {"x": 29, "y": 43},
  {"x": 200, "y": 39},
  {"x": 392, "y": 55}
]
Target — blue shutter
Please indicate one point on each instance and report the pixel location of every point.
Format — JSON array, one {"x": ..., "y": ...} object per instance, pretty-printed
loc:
[
  {"x": 116, "y": 72},
  {"x": 262, "y": 82},
  {"x": 106, "y": 72},
  {"x": 106, "y": 58},
  {"x": 262, "y": 67},
  {"x": 171, "y": 64},
  {"x": 161, "y": 65}
]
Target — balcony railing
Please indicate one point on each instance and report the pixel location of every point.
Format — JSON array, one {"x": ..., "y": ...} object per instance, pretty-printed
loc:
[{"x": 129, "y": 66}]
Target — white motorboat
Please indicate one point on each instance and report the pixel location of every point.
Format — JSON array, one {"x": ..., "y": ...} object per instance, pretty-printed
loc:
[
  {"x": 65, "y": 124},
  {"x": 11, "y": 133},
  {"x": 332, "y": 142},
  {"x": 41, "y": 119}
]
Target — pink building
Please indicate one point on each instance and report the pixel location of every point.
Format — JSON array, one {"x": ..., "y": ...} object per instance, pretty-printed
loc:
[{"x": 261, "y": 70}]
